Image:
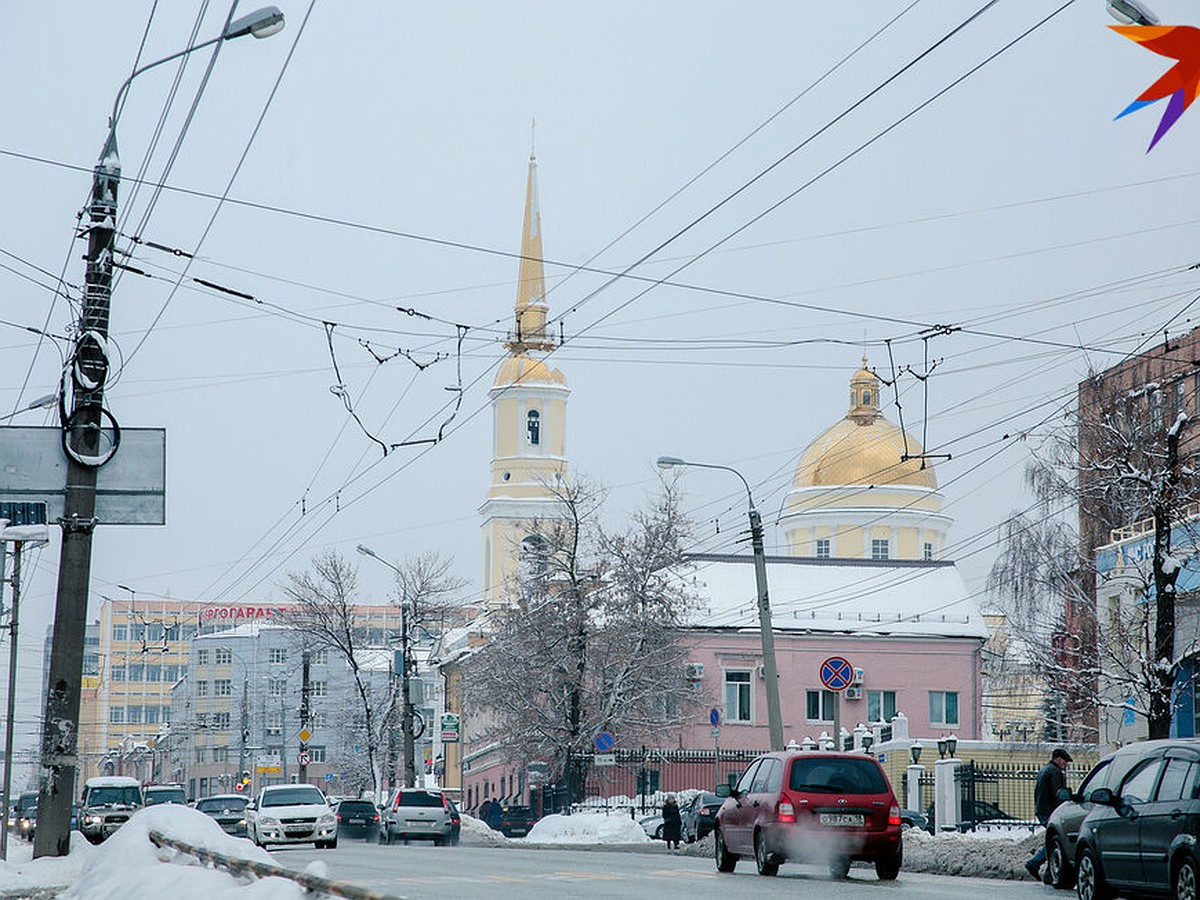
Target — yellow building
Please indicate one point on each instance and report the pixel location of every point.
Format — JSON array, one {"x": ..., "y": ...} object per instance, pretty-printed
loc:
[
  {"x": 864, "y": 490},
  {"x": 529, "y": 405}
]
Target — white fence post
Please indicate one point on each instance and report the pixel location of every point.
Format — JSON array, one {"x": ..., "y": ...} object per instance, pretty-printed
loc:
[{"x": 947, "y": 807}]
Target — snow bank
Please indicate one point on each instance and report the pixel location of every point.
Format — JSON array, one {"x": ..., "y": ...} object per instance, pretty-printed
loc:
[
  {"x": 22, "y": 874},
  {"x": 981, "y": 854},
  {"x": 476, "y": 831},
  {"x": 587, "y": 828},
  {"x": 128, "y": 866}
]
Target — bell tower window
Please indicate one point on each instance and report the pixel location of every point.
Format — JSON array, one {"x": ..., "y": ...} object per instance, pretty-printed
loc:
[
  {"x": 533, "y": 427},
  {"x": 866, "y": 398}
]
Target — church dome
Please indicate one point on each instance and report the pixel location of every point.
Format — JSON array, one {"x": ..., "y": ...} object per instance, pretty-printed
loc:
[
  {"x": 523, "y": 369},
  {"x": 864, "y": 448}
]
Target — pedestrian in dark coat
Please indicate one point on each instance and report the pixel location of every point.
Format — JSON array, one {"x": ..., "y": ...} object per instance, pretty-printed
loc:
[
  {"x": 1050, "y": 781},
  {"x": 672, "y": 823}
]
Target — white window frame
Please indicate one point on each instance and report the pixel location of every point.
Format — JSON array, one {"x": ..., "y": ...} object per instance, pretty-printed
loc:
[
  {"x": 733, "y": 715},
  {"x": 881, "y": 549},
  {"x": 825, "y": 703},
  {"x": 939, "y": 697}
]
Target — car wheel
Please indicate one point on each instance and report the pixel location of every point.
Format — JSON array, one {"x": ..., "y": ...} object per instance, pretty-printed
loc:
[
  {"x": 839, "y": 867},
  {"x": 439, "y": 842},
  {"x": 1057, "y": 869},
  {"x": 762, "y": 857},
  {"x": 887, "y": 867},
  {"x": 725, "y": 860},
  {"x": 1089, "y": 882},
  {"x": 658, "y": 833},
  {"x": 1185, "y": 881}
]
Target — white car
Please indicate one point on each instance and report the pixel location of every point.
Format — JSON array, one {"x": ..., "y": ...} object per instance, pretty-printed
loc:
[{"x": 291, "y": 814}]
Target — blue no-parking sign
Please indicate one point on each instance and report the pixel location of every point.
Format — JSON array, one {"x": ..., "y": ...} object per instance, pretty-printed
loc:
[
  {"x": 605, "y": 742},
  {"x": 836, "y": 673}
]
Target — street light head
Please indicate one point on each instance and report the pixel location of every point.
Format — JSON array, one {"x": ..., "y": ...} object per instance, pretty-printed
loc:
[
  {"x": 668, "y": 462},
  {"x": 366, "y": 551},
  {"x": 262, "y": 23},
  {"x": 1131, "y": 12}
]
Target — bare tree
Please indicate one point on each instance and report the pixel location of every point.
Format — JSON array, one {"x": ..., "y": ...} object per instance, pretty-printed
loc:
[
  {"x": 591, "y": 640},
  {"x": 1118, "y": 468},
  {"x": 325, "y": 614}
]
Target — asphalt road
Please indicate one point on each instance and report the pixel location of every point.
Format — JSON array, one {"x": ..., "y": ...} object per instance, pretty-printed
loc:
[{"x": 421, "y": 871}]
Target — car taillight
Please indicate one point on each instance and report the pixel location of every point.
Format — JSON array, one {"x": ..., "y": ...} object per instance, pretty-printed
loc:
[
  {"x": 785, "y": 812},
  {"x": 339, "y": 817},
  {"x": 376, "y": 818},
  {"x": 894, "y": 816}
]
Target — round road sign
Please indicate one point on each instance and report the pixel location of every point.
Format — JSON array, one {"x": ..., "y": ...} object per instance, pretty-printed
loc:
[
  {"x": 303, "y": 758},
  {"x": 605, "y": 742},
  {"x": 714, "y": 717},
  {"x": 836, "y": 673}
]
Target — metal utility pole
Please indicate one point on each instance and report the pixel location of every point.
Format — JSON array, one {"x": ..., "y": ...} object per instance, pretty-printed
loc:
[
  {"x": 82, "y": 442},
  {"x": 245, "y": 726},
  {"x": 12, "y": 688},
  {"x": 406, "y": 720},
  {"x": 302, "y": 758}
]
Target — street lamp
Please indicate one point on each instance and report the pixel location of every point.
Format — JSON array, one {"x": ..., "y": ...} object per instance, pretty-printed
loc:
[
  {"x": 88, "y": 444},
  {"x": 1131, "y": 12},
  {"x": 914, "y": 753},
  {"x": 406, "y": 710},
  {"x": 770, "y": 672}
]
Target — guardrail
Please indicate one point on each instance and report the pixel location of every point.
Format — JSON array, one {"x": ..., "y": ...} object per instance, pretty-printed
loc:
[{"x": 238, "y": 866}]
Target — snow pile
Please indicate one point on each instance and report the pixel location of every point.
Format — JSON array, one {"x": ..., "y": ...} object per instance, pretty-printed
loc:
[
  {"x": 476, "y": 831},
  {"x": 991, "y": 854},
  {"x": 587, "y": 828},
  {"x": 23, "y": 875},
  {"x": 128, "y": 866}
]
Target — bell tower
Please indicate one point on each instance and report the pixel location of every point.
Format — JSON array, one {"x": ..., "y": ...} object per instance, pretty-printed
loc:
[{"x": 529, "y": 404}]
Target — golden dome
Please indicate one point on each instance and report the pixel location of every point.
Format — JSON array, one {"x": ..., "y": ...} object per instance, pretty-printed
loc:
[
  {"x": 522, "y": 369},
  {"x": 864, "y": 447}
]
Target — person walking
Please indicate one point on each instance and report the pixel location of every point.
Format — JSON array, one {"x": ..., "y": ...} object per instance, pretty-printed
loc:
[
  {"x": 672, "y": 823},
  {"x": 1050, "y": 781}
]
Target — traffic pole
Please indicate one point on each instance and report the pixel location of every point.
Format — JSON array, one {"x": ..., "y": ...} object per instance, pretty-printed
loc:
[{"x": 12, "y": 690}]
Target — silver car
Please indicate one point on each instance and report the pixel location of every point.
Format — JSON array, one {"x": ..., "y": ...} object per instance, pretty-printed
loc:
[
  {"x": 417, "y": 813},
  {"x": 291, "y": 814}
]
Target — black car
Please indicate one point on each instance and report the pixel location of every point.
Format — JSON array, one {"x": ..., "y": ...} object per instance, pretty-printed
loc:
[
  {"x": 228, "y": 809},
  {"x": 26, "y": 815},
  {"x": 1140, "y": 837},
  {"x": 972, "y": 814},
  {"x": 512, "y": 821},
  {"x": 698, "y": 817},
  {"x": 358, "y": 819},
  {"x": 915, "y": 819},
  {"x": 1062, "y": 831}
]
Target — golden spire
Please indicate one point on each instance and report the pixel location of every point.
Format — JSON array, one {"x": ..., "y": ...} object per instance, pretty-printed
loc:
[{"x": 531, "y": 309}]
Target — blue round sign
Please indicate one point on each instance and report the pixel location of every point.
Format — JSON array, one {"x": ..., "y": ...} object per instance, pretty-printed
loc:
[
  {"x": 605, "y": 742},
  {"x": 836, "y": 673},
  {"x": 714, "y": 717}
]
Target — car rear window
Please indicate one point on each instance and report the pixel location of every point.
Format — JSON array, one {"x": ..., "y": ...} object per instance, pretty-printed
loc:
[
  {"x": 293, "y": 797},
  {"x": 420, "y": 798},
  {"x": 356, "y": 807},
  {"x": 27, "y": 801},
  {"x": 824, "y": 775},
  {"x": 166, "y": 795}
]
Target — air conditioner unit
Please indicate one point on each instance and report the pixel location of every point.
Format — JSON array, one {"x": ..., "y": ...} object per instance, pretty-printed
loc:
[
  {"x": 694, "y": 671},
  {"x": 858, "y": 676},
  {"x": 853, "y": 693}
]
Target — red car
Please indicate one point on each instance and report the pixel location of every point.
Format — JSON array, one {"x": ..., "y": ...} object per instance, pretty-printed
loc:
[{"x": 805, "y": 806}]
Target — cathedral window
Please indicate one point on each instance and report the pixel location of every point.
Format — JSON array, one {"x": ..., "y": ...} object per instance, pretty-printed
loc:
[
  {"x": 822, "y": 548},
  {"x": 928, "y": 552},
  {"x": 866, "y": 398},
  {"x": 533, "y": 427},
  {"x": 879, "y": 548}
]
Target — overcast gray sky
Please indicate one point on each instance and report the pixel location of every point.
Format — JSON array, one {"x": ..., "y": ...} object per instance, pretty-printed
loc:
[{"x": 880, "y": 199}]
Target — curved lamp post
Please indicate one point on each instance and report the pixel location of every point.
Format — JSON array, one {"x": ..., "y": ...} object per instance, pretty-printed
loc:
[
  {"x": 770, "y": 672},
  {"x": 87, "y": 448}
]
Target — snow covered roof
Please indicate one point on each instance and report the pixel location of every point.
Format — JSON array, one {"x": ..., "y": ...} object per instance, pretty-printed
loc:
[{"x": 844, "y": 596}]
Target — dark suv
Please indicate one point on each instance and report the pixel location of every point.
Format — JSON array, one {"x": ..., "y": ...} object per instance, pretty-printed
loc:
[
  {"x": 1140, "y": 836},
  {"x": 810, "y": 807}
]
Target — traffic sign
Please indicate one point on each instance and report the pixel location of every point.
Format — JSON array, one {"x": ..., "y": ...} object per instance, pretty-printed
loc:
[
  {"x": 714, "y": 717},
  {"x": 239, "y": 787},
  {"x": 329, "y": 776},
  {"x": 836, "y": 673},
  {"x": 304, "y": 735},
  {"x": 303, "y": 758},
  {"x": 605, "y": 742},
  {"x": 714, "y": 732},
  {"x": 605, "y": 759},
  {"x": 450, "y": 725}
]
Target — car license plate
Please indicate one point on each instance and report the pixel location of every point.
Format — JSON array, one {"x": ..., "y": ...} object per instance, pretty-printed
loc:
[
  {"x": 356, "y": 821},
  {"x": 842, "y": 820}
]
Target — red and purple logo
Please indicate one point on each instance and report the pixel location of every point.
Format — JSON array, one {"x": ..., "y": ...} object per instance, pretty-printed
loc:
[{"x": 1181, "y": 82}]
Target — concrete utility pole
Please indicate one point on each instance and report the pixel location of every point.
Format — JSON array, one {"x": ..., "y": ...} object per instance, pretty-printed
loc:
[
  {"x": 82, "y": 442},
  {"x": 406, "y": 720},
  {"x": 12, "y": 688},
  {"x": 245, "y": 726}
]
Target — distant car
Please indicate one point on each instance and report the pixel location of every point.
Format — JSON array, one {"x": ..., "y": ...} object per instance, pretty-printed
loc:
[
  {"x": 154, "y": 794},
  {"x": 25, "y": 817},
  {"x": 419, "y": 813},
  {"x": 914, "y": 819},
  {"x": 291, "y": 814},
  {"x": 357, "y": 819},
  {"x": 652, "y": 825},
  {"x": 229, "y": 810},
  {"x": 809, "y": 806},
  {"x": 455, "y": 823},
  {"x": 107, "y": 803},
  {"x": 698, "y": 817},
  {"x": 973, "y": 814},
  {"x": 513, "y": 821}
]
